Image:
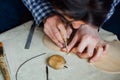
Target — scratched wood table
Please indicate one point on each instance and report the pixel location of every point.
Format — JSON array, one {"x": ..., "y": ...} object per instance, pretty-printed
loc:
[{"x": 30, "y": 64}]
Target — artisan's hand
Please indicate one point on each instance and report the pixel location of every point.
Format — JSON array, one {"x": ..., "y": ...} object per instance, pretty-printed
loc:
[
  {"x": 55, "y": 30},
  {"x": 90, "y": 45}
]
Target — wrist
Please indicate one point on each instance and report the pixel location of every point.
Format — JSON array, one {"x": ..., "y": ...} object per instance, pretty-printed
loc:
[
  {"x": 51, "y": 15},
  {"x": 96, "y": 28}
]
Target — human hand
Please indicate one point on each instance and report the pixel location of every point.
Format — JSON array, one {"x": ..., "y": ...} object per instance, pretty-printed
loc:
[
  {"x": 54, "y": 28},
  {"x": 90, "y": 45}
]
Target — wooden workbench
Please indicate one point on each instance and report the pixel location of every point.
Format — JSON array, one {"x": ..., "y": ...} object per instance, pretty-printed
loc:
[{"x": 78, "y": 69}]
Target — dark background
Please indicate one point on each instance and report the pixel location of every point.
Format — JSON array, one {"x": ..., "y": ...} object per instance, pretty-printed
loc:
[
  {"x": 113, "y": 24},
  {"x": 12, "y": 14}
]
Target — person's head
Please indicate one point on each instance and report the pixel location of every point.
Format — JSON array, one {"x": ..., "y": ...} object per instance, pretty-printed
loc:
[{"x": 89, "y": 11}]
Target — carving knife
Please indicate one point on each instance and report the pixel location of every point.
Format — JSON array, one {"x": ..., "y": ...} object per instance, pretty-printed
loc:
[{"x": 3, "y": 66}]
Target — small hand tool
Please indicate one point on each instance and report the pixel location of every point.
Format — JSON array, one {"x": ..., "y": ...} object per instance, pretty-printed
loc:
[
  {"x": 66, "y": 46},
  {"x": 3, "y": 66}
]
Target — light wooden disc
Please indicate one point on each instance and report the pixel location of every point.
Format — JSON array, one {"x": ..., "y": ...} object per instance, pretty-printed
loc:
[
  {"x": 56, "y": 61},
  {"x": 110, "y": 62}
]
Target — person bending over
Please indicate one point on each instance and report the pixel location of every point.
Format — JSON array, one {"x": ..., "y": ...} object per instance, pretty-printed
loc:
[
  {"x": 65, "y": 16},
  {"x": 86, "y": 17}
]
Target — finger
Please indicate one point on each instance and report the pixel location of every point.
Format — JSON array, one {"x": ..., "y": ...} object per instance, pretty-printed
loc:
[
  {"x": 72, "y": 43},
  {"x": 57, "y": 33},
  {"x": 88, "y": 53},
  {"x": 69, "y": 31},
  {"x": 63, "y": 31},
  {"x": 90, "y": 50},
  {"x": 97, "y": 55},
  {"x": 82, "y": 45},
  {"x": 49, "y": 33},
  {"x": 83, "y": 55}
]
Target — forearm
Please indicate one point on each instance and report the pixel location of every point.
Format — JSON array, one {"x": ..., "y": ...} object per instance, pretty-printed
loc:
[{"x": 40, "y": 9}]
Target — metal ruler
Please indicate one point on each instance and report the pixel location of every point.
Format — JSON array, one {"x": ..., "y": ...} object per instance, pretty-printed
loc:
[{"x": 30, "y": 35}]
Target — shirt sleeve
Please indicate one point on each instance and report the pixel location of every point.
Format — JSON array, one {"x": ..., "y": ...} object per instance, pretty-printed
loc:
[
  {"x": 40, "y": 9},
  {"x": 113, "y": 5}
]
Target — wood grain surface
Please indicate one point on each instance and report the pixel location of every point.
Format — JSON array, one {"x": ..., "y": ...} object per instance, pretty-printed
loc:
[{"x": 109, "y": 62}]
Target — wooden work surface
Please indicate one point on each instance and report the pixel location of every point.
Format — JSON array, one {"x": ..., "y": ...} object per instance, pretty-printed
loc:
[{"x": 78, "y": 69}]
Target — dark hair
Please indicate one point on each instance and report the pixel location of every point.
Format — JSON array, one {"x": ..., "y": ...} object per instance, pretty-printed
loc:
[{"x": 90, "y": 11}]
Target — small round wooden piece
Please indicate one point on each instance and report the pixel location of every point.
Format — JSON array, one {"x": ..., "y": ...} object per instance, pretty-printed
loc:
[{"x": 56, "y": 62}]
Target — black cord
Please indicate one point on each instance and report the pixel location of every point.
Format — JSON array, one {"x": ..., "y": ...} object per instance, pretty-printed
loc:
[
  {"x": 16, "y": 75},
  {"x": 47, "y": 73}
]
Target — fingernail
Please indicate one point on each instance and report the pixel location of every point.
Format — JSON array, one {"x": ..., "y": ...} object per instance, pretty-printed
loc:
[
  {"x": 60, "y": 45},
  {"x": 64, "y": 49},
  {"x": 91, "y": 61}
]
